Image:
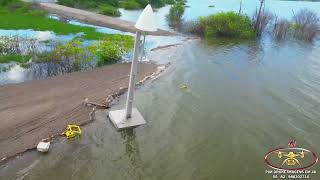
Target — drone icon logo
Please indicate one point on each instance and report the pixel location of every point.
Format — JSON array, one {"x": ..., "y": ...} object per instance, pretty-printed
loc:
[{"x": 291, "y": 158}]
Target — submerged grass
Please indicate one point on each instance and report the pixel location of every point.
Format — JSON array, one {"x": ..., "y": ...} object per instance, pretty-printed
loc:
[
  {"x": 16, "y": 21},
  {"x": 14, "y": 57}
]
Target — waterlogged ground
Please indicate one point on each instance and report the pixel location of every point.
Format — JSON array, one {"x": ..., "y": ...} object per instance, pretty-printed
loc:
[
  {"x": 11, "y": 73},
  {"x": 243, "y": 99}
]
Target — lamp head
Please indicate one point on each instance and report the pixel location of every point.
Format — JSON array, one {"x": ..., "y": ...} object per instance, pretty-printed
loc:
[{"x": 146, "y": 21}]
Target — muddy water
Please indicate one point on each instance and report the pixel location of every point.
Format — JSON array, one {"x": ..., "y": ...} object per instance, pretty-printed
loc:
[{"x": 243, "y": 99}]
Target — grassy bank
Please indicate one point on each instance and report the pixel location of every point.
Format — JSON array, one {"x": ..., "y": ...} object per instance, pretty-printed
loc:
[
  {"x": 15, "y": 14},
  {"x": 224, "y": 24},
  {"x": 15, "y": 57},
  {"x": 111, "y": 7},
  {"x": 72, "y": 56},
  {"x": 14, "y": 21}
]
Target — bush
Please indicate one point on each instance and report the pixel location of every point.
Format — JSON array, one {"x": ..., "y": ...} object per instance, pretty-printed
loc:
[
  {"x": 143, "y": 3},
  {"x": 169, "y": 1},
  {"x": 82, "y": 4},
  {"x": 7, "y": 2},
  {"x": 306, "y": 25},
  {"x": 130, "y": 5},
  {"x": 227, "y": 24},
  {"x": 109, "y": 10},
  {"x": 72, "y": 53},
  {"x": 281, "y": 29},
  {"x": 111, "y": 49},
  {"x": 40, "y": 13},
  {"x": 175, "y": 14},
  {"x": 157, "y": 3}
]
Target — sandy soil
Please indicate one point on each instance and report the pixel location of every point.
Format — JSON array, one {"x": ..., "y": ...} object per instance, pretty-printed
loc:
[
  {"x": 35, "y": 110},
  {"x": 97, "y": 19}
]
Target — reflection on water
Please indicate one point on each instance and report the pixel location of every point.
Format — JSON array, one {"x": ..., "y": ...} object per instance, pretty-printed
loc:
[{"x": 133, "y": 153}]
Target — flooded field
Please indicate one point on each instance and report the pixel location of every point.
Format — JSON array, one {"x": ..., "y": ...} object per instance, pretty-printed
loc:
[{"x": 243, "y": 98}]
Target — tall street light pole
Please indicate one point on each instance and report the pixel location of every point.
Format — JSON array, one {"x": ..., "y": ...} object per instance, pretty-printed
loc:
[
  {"x": 131, "y": 117},
  {"x": 133, "y": 75}
]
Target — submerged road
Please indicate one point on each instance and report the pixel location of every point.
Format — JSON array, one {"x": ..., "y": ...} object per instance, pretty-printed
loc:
[
  {"x": 35, "y": 110},
  {"x": 97, "y": 19}
]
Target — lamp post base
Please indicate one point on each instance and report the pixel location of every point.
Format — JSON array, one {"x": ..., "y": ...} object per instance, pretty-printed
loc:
[{"x": 118, "y": 118}]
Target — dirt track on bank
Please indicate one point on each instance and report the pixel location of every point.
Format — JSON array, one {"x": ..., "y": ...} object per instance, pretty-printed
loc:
[
  {"x": 35, "y": 110},
  {"x": 97, "y": 19}
]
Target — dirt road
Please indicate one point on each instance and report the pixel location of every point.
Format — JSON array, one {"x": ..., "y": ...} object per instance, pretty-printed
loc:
[
  {"x": 34, "y": 110},
  {"x": 97, "y": 19}
]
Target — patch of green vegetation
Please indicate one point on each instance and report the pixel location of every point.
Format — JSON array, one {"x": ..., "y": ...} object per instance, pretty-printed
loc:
[
  {"x": 109, "y": 10},
  {"x": 175, "y": 14},
  {"x": 131, "y": 5},
  {"x": 14, "y": 57},
  {"x": 126, "y": 4},
  {"x": 106, "y": 51},
  {"x": 227, "y": 24},
  {"x": 170, "y": 1},
  {"x": 22, "y": 21},
  {"x": 72, "y": 53},
  {"x": 15, "y": 14},
  {"x": 111, "y": 49}
]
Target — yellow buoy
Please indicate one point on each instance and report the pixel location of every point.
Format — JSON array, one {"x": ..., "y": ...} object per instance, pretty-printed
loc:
[
  {"x": 183, "y": 87},
  {"x": 72, "y": 130}
]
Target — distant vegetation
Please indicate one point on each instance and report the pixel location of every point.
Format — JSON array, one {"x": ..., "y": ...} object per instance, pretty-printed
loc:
[
  {"x": 111, "y": 49},
  {"x": 73, "y": 56},
  {"x": 305, "y": 25},
  {"x": 59, "y": 57},
  {"x": 67, "y": 57},
  {"x": 15, "y": 14},
  {"x": 111, "y": 7},
  {"x": 14, "y": 57},
  {"x": 109, "y": 10},
  {"x": 175, "y": 16},
  {"x": 224, "y": 24}
]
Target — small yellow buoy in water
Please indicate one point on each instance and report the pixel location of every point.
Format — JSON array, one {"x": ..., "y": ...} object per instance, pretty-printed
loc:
[
  {"x": 183, "y": 87},
  {"x": 72, "y": 130}
]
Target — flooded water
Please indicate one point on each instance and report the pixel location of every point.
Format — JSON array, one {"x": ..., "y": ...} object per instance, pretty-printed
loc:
[{"x": 243, "y": 99}]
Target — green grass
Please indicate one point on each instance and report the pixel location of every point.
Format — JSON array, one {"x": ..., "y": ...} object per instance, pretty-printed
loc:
[
  {"x": 14, "y": 57},
  {"x": 109, "y": 10},
  {"x": 14, "y": 21},
  {"x": 130, "y": 5},
  {"x": 227, "y": 24}
]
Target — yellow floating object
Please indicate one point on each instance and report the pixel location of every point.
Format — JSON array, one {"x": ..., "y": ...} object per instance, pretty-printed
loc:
[
  {"x": 72, "y": 130},
  {"x": 183, "y": 87}
]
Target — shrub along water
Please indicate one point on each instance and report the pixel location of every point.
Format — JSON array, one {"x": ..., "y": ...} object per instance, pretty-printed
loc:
[
  {"x": 20, "y": 15},
  {"x": 72, "y": 55},
  {"x": 131, "y": 5},
  {"x": 110, "y": 7},
  {"x": 225, "y": 24},
  {"x": 110, "y": 50},
  {"x": 305, "y": 25},
  {"x": 109, "y": 10},
  {"x": 14, "y": 57},
  {"x": 175, "y": 14}
]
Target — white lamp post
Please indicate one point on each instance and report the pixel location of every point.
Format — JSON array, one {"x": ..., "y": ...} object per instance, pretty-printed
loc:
[{"x": 131, "y": 117}]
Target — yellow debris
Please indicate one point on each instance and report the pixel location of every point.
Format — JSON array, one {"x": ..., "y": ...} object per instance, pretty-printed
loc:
[
  {"x": 72, "y": 130},
  {"x": 183, "y": 87}
]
